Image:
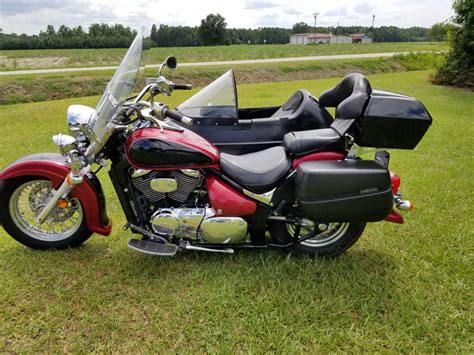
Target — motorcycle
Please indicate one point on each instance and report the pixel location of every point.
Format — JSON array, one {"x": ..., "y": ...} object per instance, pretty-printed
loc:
[{"x": 312, "y": 194}]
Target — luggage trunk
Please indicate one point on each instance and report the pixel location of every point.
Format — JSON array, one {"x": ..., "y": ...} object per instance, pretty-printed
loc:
[
  {"x": 392, "y": 121},
  {"x": 344, "y": 191}
]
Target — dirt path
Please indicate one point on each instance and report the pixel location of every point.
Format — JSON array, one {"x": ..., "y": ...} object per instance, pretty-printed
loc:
[{"x": 229, "y": 62}]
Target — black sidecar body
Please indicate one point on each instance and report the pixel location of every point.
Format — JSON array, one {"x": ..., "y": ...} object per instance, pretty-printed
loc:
[{"x": 217, "y": 117}]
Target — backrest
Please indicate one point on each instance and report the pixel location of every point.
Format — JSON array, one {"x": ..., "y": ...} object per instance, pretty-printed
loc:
[{"x": 349, "y": 96}]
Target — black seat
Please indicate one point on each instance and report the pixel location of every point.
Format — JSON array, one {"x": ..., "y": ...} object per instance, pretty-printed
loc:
[
  {"x": 305, "y": 109},
  {"x": 259, "y": 172},
  {"x": 304, "y": 142},
  {"x": 349, "y": 96}
]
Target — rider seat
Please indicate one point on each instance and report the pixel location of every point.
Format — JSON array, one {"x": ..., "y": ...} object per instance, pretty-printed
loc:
[{"x": 259, "y": 172}]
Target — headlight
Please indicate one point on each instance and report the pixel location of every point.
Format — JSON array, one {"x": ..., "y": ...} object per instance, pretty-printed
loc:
[
  {"x": 80, "y": 119},
  {"x": 65, "y": 143}
]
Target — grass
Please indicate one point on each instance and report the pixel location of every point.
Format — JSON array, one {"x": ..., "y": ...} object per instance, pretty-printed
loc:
[
  {"x": 53, "y": 86},
  {"x": 401, "y": 288},
  {"x": 63, "y": 58}
]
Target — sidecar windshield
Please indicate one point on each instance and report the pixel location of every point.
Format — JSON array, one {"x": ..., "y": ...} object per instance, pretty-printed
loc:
[{"x": 217, "y": 100}]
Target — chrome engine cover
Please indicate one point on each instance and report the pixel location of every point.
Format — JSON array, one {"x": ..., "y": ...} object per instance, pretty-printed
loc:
[
  {"x": 178, "y": 222},
  {"x": 224, "y": 230},
  {"x": 199, "y": 223}
]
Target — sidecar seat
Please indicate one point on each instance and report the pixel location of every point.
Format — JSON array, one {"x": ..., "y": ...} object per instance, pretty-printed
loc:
[{"x": 303, "y": 107}]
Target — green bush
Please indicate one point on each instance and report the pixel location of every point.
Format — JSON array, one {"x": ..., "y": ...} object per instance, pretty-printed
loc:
[{"x": 458, "y": 69}]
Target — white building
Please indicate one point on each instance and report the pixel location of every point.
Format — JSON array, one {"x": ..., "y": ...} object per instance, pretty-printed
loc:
[
  {"x": 361, "y": 38},
  {"x": 313, "y": 38}
]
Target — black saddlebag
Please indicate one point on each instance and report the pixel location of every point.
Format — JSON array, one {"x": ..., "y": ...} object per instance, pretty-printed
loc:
[
  {"x": 344, "y": 191},
  {"x": 392, "y": 121}
]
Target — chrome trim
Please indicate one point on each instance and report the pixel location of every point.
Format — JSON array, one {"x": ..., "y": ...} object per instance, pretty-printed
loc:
[
  {"x": 188, "y": 246},
  {"x": 164, "y": 185},
  {"x": 191, "y": 173},
  {"x": 136, "y": 173},
  {"x": 265, "y": 198},
  {"x": 223, "y": 230}
]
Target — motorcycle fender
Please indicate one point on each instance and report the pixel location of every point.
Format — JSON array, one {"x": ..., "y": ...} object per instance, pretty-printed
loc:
[{"x": 54, "y": 167}]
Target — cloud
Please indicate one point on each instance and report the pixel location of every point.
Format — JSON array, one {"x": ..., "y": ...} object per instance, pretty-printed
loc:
[
  {"x": 339, "y": 11},
  {"x": 259, "y": 4},
  {"x": 293, "y": 11},
  {"x": 31, "y": 16},
  {"x": 16, "y": 7},
  {"x": 364, "y": 7}
]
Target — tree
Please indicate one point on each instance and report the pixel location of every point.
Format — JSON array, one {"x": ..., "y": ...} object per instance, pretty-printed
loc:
[
  {"x": 439, "y": 31},
  {"x": 50, "y": 30},
  {"x": 212, "y": 30},
  {"x": 458, "y": 69},
  {"x": 301, "y": 27}
]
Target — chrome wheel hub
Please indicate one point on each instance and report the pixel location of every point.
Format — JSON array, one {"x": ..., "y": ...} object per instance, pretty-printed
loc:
[
  {"x": 27, "y": 202},
  {"x": 328, "y": 233}
]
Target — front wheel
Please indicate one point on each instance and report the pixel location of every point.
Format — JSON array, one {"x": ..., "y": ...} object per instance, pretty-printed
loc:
[
  {"x": 331, "y": 239},
  {"x": 23, "y": 200}
]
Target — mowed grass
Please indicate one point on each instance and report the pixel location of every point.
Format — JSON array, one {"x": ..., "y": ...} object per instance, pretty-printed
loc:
[
  {"x": 23, "y": 88},
  {"x": 401, "y": 288},
  {"x": 63, "y": 58}
]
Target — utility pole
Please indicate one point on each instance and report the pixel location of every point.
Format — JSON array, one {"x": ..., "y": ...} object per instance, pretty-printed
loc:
[
  {"x": 337, "y": 33},
  {"x": 315, "y": 23},
  {"x": 373, "y": 29}
]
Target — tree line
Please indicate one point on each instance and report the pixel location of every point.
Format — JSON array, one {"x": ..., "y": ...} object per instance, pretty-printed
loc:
[{"x": 212, "y": 31}]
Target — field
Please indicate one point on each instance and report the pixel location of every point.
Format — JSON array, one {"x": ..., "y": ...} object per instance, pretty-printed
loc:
[
  {"x": 53, "y": 86},
  {"x": 63, "y": 58},
  {"x": 399, "y": 289}
]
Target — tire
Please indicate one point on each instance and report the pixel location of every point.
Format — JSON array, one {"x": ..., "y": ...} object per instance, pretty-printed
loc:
[
  {"x": 46, "y": 236},
  {"x": 334, "y": 241}
]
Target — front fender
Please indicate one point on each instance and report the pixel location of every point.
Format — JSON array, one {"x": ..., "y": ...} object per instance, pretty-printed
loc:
[{"x": 54, "y": 167}]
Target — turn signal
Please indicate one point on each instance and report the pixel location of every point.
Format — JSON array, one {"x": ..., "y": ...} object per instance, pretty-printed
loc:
[{"x": 405, "y": 205}]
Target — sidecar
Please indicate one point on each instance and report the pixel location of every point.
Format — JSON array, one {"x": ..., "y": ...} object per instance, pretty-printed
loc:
[{"x": 218, "y": 118}]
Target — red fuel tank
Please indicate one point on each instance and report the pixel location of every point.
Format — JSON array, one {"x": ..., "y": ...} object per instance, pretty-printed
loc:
[{"x": 149, "y": 148}]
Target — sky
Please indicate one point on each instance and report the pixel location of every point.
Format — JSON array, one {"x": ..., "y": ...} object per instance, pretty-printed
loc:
[{"x": 22, "y": 16}]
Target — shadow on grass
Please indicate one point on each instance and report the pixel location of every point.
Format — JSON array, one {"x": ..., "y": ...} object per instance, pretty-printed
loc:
[{"x": 357, "y": 268}]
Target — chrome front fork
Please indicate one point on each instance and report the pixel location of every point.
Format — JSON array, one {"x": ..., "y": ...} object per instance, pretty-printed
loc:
[{"x": 75, "y": 177}]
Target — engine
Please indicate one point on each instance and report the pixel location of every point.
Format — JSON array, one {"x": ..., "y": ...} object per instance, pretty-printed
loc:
[
  {"x": 178, "y": 212},
  {"x": 176, "y": 185}
]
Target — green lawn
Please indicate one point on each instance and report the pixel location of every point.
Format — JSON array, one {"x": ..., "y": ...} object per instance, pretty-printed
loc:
[
  {"x": 25, "y": 88},
  {"x": 60, "y": 58},
  {"x": 400, "y": 288}
]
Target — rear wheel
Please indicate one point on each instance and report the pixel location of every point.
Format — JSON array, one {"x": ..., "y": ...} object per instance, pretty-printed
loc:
[
  {"x": 23, "y": 200},
  {"x": 330, "y": 239}
]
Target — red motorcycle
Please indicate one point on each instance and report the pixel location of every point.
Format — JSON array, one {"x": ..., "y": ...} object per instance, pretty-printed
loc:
[{"x": 313, "y": 194}]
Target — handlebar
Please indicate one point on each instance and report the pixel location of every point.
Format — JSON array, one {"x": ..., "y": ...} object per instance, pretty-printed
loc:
[
  {"x": 182, "y": 87},
  {"x": 175, "y": 115}
]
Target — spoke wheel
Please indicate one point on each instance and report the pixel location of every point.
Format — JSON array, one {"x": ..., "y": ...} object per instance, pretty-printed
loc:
[
  {"x": 24, "y": 200},
  {"x": 330, "y": 239},
  {"x": 333, "y": 233}
]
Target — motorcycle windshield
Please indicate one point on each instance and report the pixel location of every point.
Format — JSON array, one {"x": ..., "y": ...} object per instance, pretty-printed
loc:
[
  {"x": 218, "y": 99},
  {"x": 124, "y": 80}
]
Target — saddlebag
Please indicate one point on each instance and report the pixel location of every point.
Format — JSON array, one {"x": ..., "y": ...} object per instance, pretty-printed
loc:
[
  {"x": 344, "y": 191},
  {"x": 392, "y": 121}
]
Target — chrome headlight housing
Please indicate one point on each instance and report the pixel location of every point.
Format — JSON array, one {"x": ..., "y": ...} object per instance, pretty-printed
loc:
[{"x": 81, "y": 119}]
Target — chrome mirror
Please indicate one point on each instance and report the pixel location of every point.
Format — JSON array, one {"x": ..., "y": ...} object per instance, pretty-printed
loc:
[{"x": 169, "y": 62}]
